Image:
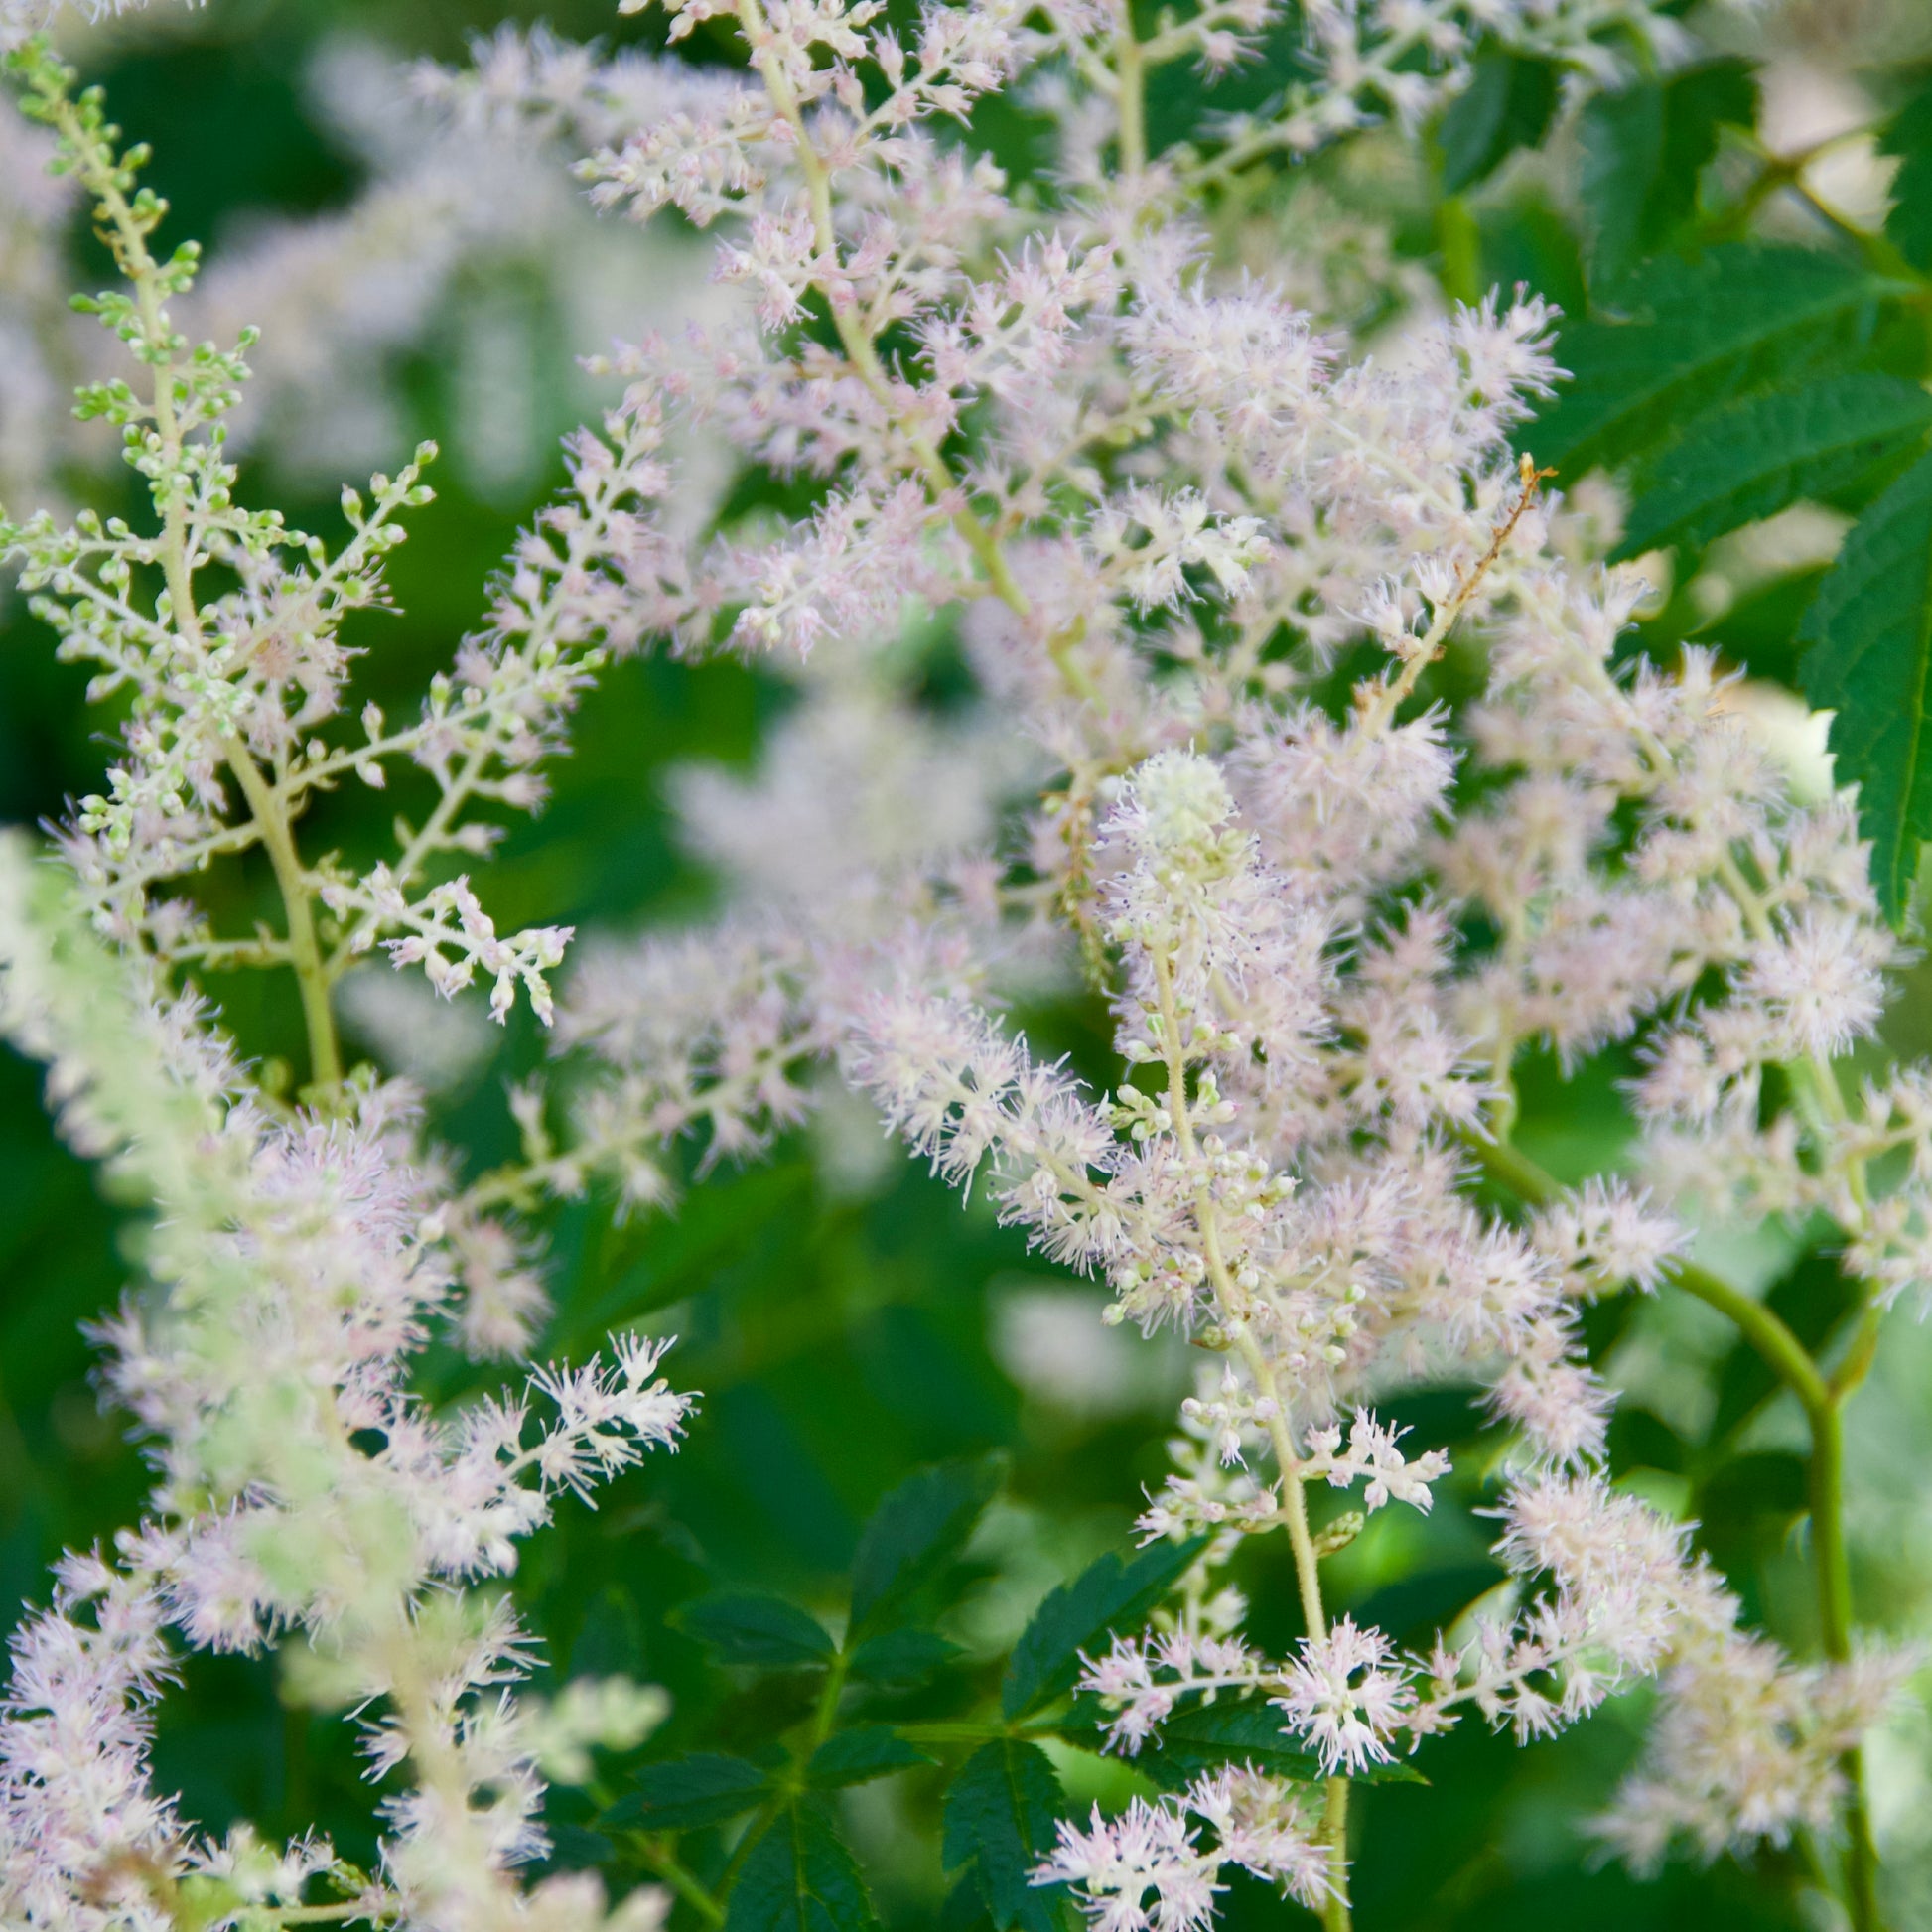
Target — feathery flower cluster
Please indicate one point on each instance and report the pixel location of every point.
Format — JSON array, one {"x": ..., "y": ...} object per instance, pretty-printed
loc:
[
  {"x": 295, "y": 1267},
  {"x": 299, "y": 1256},
  {"x": 1165, "y": 504},
  {"x": 1158, "y": 508},
  {"x": 1118, "y": 1861}
]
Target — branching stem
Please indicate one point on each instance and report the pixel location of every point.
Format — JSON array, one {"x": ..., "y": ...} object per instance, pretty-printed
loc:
[
  {"x": 160, "y": 348},
  {"x": 1822, "y": 1401}
]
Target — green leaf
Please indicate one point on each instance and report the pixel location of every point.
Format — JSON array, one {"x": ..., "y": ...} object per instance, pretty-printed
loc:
[
  {"x": 1811, "y": 1301},
  {"x": 1508, "y": 105},
  {"x": 914, "y": 1533},
  {"x": 1242, "y": 1731},
  {"x": 863, "y": 1752},
  {"x": 1760, "y": 630},
  {"x": 1108, "y": 1595},
  {"x": 635, "y": 1267},
  {"x": 1200, "y": 1739},
  {"x": 683, "y": 1793},
  {"x": 747, "y": 1627},
  {"x": 1000, "y": 1813},
  {"x": 1644, "y": 147},
  {"x": 1751, "y": 460},
  {"x": 1696, "y": 335},
  {"x": 964, "y": 1910},
  {"x": 1870, "y": 629},
  {"x": 1909, "y": 136},
  {"x": 902, "y": 1657},
  {"x": 799, "y": 1877}
]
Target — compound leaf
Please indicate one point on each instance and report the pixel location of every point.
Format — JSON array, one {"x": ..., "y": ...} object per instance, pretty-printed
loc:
[
  {"x": 745, "y": 1626},
  {"x": 1870, "y": 629},
  {"x": 1508, "y": 105},
  {"x": 914, "y": 1533},
  {"x": 864, "y": 1751},
  {"x": 1750, "y": 461},
  {"x": 683, "y": 1793},
  {"x": 801, "y": 1878},
  {"x": 999, "y": 1812},
  {"x": 1644, "y": 147},
  {"x": 1696, "y": 335},
  {"x": 1107, "y": 1596}
]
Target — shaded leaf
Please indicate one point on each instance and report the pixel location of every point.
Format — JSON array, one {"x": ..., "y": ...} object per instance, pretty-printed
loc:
[
  {"x": 1756, "y": 457},
  {"x": 1108, "y": 1595},
  {"x": 644, "y": 1265},
  {"x": 1695, "y": 335},
  {"x": 964, "y": 1910},
  {"x": 1746, "y": 1507},
  {"x": 864, "y": 1751},
  {"x": 576, "y": 1848},
  {"x": 1200, "y": 1739},
  {"x": 1000, "y": 1815},
  {"x": 902, "y": 1657},
  {"x": 750, "y": 1627},
  {"x": 1644, "y": 147},
  {"x": 1641, "y": 1440},
  {"x": 1811, "y": 1301},
  {"x": 914, "y": 1533},
  {"x": 1909, "y": 136},
  {"x": 799, "y": 1877},
  {"x": 1413, "y": 1608},
  {"x": 683, "y": 1793},
  {"x": 1760, "y": 630},
  {"x": 1870, "y": 629},
  {"x": 1507, "y": 104}
]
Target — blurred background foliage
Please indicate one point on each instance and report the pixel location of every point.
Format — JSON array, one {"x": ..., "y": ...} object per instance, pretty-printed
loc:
[{"x": 845, "y": 1319}]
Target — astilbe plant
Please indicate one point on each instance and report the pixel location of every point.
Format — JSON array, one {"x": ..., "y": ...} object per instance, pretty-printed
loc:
[
  {"x": 1168, "y": 504},
  {"x": 300, "y": 1254},
  {"x": 1164, "y": 509}
]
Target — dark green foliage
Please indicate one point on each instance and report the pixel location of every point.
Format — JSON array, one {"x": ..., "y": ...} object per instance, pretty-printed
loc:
[
  {"x": 902, "y": 1657},
  {"x": 864, "y": 1752},
  {"x": 747, "y": 1627},
  {"x": 1871, "y": 659},
  {"x": 998, "y": 1820},
  {"x": 1644, "y": 148},
  {"x": 1508, "y": 105},
  {"x": 1908, "y": 227},
  {"x": 686, "y": 1792},
  {"x": 1689, "y": 335},
  {"x": 1108, "y": 1597},
  {"x": 914, "y": 1534},
  {"x": 1205, "y": 1738},
  {"x": 799, "y": 1877},
  {"x": 1812, "y": 1301},
  {"x": 1757, "y": 457}
]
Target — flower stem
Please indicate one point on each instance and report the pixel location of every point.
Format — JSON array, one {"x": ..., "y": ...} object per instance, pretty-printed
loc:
[
  {"x": 1232, "y": 1305},
  {"x": 1834, "y": 1566},
  {"x": 177, "y": 555},
  {"x": 1823, "y": 1402},
  {"x": 1130, "y": 93},
  {"x": 658, "y": 1853},
  {"x": 303, "y": 949}
]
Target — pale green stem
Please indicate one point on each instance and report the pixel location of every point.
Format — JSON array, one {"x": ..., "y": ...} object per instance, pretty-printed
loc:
[
  {"x": 143, "y": 276},
  {"x": 1822, "y": 1401},
  {"x": 1130, "y": 92},
  {"x": 1233, "y": 1307},
  {"x": 664, "y": 1861},
  {"x": 304, "y": 951}
]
